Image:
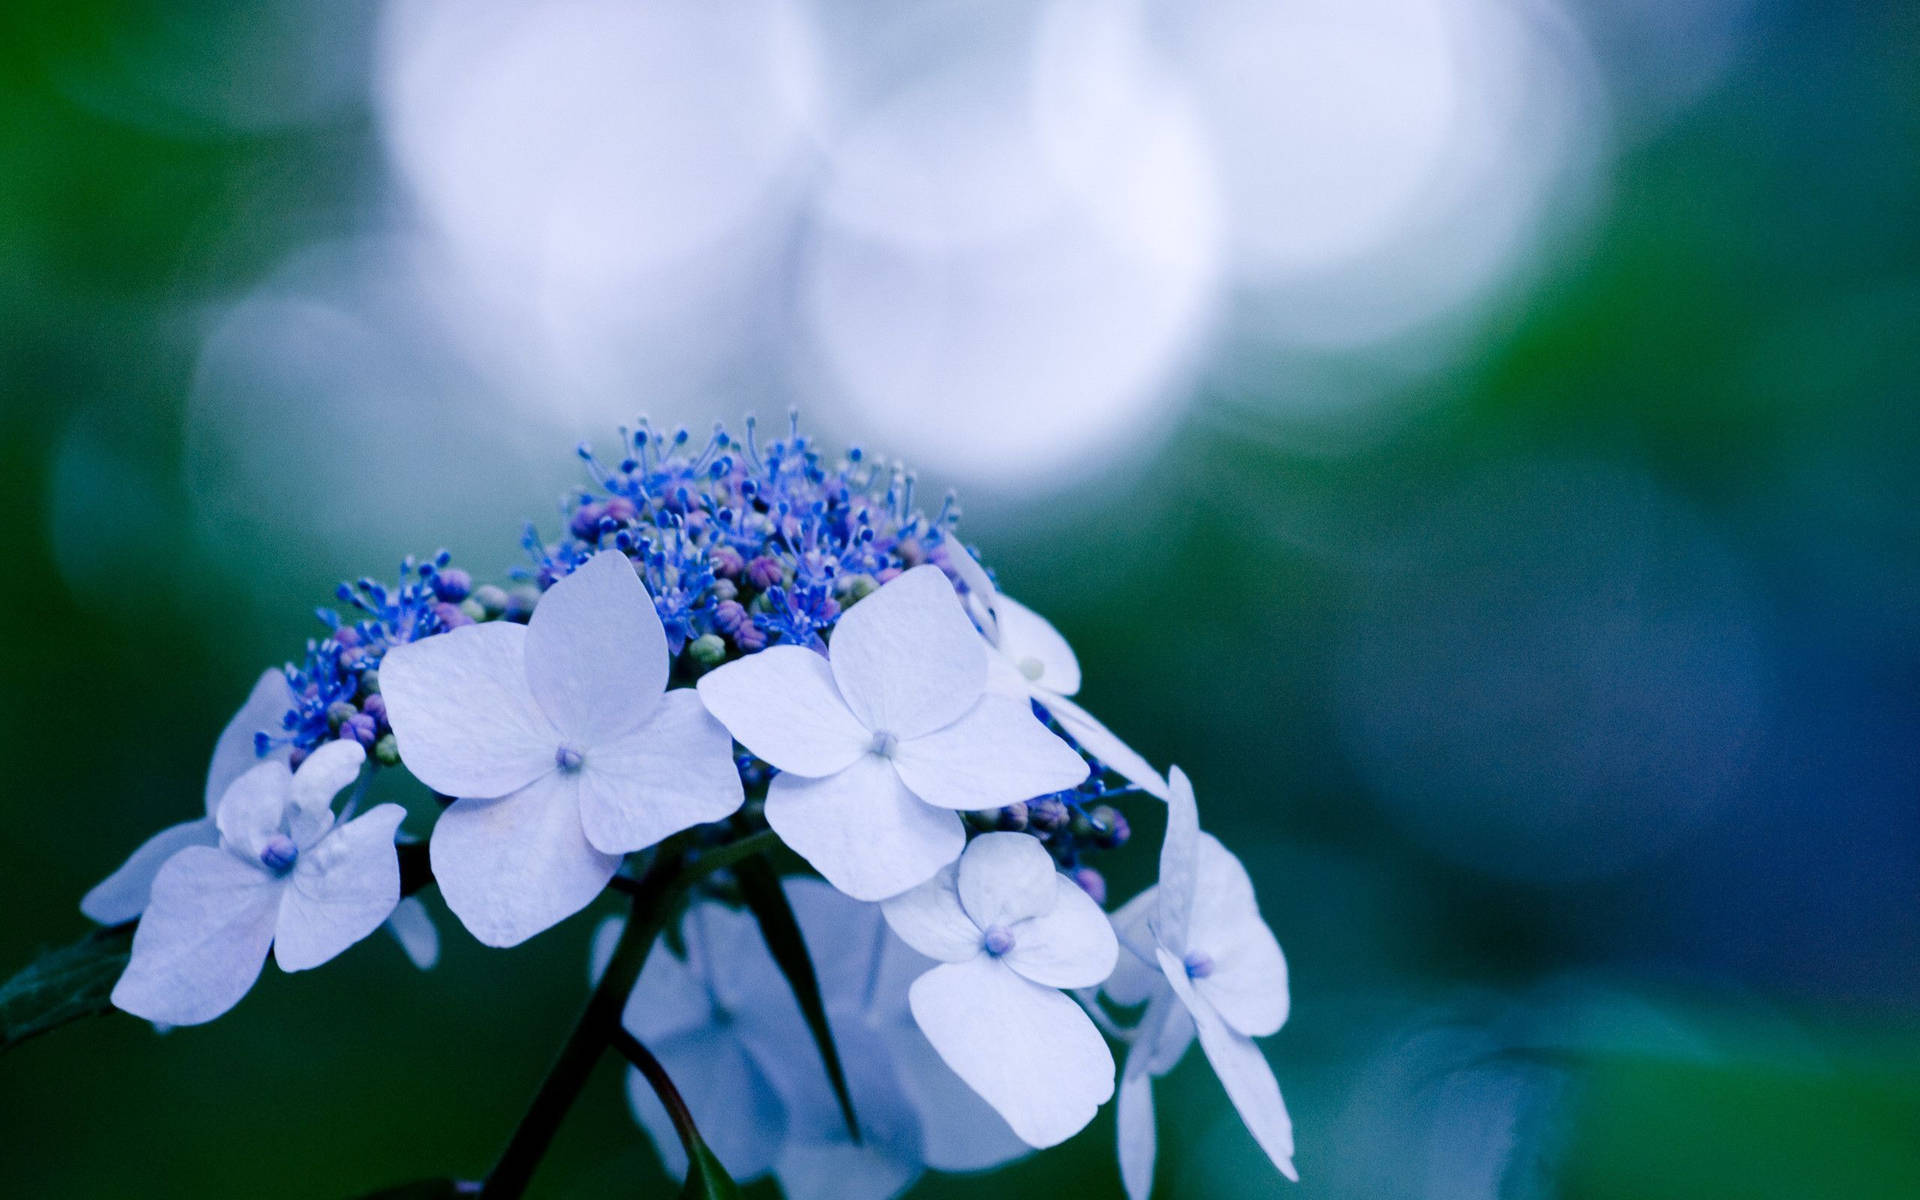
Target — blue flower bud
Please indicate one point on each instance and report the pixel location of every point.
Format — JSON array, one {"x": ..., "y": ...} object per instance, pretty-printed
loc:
[
  {"x": 764, "y": 572},
  {"x": 361, "y": 728},
  {"x": 452, "y": 585},
  {"x": 726, "y": 561},
  {"x": 1092, "y": 883},
  {"x": 1198, "y": 965},
  {"x": 1047, "y": 815},
  {"x": 452, "y": 616},
  {"x": 1013, "y": 818},
  {"x": 1110, "y": 829},
  {"x": 339, "y": 713},
  {"x": 520, "y": 602},
  {"x": 279, "y": 854},
  {"x": 585, "y": 524},
  {"x": 492, "y": 601},
  {"x": 708, "y": 651},
  {"x": 386, "y": 751},
  {"x": 998, "y": 941},
  {"x": 568, "y": 758}
]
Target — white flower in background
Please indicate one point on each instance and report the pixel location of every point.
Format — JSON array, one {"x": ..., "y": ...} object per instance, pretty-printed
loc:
[
  {"x": 881, "y": 740},
  {"x": 1031, "y": 659},
  {"x": 1009, "y": 930},
  {"x": 122, "y": 895},
  {"x": 1201, "y": 959},
  {"x": 563, "y": 745},
  {"x": 284, "y": 875},
  {"x": 726, "y": 1009}
]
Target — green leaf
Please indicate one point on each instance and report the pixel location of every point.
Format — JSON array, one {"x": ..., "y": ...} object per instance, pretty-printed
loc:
[
  {"x": 767, "y": 900},
  {"x": 64, "y": 985},
  {"x": 706, "y": 1178}
]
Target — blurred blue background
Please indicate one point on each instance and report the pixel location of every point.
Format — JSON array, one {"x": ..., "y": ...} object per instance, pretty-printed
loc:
[{"x": 1475, "y": 438}]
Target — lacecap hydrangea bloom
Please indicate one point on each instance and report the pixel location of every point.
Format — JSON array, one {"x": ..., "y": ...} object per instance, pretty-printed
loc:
[{"x": 833, "y": 773}]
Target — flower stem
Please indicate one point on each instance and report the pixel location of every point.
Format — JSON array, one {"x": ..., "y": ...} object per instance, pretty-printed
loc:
[
  {"x": 591, "y": 1035},
  {"x": 599, "y": 1025},
  {"x": 636, "y": 1052}
]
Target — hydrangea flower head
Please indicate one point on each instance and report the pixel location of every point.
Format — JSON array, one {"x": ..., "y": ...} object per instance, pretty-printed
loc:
[{"x": 284, "y": 876}]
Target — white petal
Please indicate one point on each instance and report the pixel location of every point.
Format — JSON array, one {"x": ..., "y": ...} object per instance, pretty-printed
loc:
[
  {"x": 1070, "y": 946},
  {"x": 254, "y": 808},
  {"x": 906, "y": 658},
  {"x": 1179, "y": 865},
  {"x": 1096, "y": 739},
  {"x": 1036, "y": 648},
  {"x": 1248, "y": 983},
  {"x": 1243, "y": 1071},
  {"x": 959, "y": 1130},
  {"x": 997, "y": 753},
  {"x": 1006, "y": 877},
  {"x": 862, "y": 829},
  {"x": 202, "y": 940},
  {"x": 512, "y": 867},
  {"x": 234, "y": 754},
  {"x": 733, "y": 1103},
  {"x": 783, "y": 705},
  {"x": 1136, "y": 976},
  {"x": 931, "y": 919},
  {"x": 674, "y": 772},
  {"x": 412, "y": 926},
  {"x": 462, "y": 712},
  {"x": 845, "y": 938},
  {"x": 819, "y": 1161},
  {"x": 319, "y": 779},
  {"x": 1133, "y": 1119},
  {"x": 122, "y": 895},
  {"x": 671, "y": 997},
  {"x": 340, "y": 890},
  {"x": 596, "y": 652},
  {"x": 1166, "y": 1030},
  {"x": 1028, "y": 1050},
  {"x": 980, "y": 591}
]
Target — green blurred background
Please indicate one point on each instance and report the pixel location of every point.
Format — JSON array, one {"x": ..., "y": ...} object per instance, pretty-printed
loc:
[{"x": 1477, "y": 441}]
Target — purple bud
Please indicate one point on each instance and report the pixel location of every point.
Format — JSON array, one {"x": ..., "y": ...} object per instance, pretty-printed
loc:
[
  {"x": 452, "y": 585},
  {"x": 730, "y": 616},
  {"x": 1013, "y": 818},
  {"x": 295, "y": 757},
  {"x": 347, "y": 635},
  {"x": 585, "y": 524},
  {"x": 620, "y": 509},
  {"x": 279, "y": 854},
  {"x": 911, "y": 552},
  {"x": 520, "y": 602},
  {"x": 887, "y": 575},
  {"x": 451, "y": 615},
  {"x": 492, "y": 600},
  {"x": 568, "y": 758},
  {"x": 751, "y": 638},
  {"x": 1047, "y": 815},
  {"x": 339, "y": 713},
  {"x": 1198, "y": 965},
  {"x": 1092, "y": 883},
  {"x": 361, "y": 728},
  {"x": 764, "y": 572},
  {"x": 997, "y": 941},
  {"x": 727, "y": 563},
  {"x": 1110, "y": 830}
]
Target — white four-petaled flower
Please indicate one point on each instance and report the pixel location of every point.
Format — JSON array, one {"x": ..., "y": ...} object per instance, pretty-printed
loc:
[
  {"x": 1030, "y": 658},
  {"x": 1201, "y": 959},
  {"x": 563, "y": 744},
  {"x": 879, "y": 742},
  {"x": 1008, "y": 931},
  {"x": 284, "y": 875}
]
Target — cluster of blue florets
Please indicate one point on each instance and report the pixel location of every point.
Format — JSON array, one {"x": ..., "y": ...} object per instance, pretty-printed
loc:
[{"x": 739, "y": 544}]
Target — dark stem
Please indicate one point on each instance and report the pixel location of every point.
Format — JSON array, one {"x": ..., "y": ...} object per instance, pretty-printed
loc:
[
  {"x": 591, "y": 1035},
  {"x": 642, "y": 1058},
  {"x": 599, "y": 1025}
]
